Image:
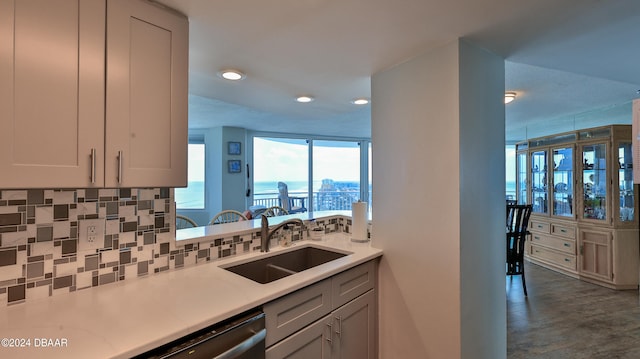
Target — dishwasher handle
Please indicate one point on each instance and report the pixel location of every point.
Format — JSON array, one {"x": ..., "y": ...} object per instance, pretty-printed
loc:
[{"x": 244, "y": 346}]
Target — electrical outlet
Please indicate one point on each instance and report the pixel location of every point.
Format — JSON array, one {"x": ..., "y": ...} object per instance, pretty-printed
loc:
[{"x": 91, "y": 234}]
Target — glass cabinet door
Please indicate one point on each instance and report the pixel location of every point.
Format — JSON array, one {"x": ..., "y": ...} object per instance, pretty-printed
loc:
[
  {"x": 625, "y": 182},
  {"x": 539, "y": 190},
  {"x": 521, "y": 181},
  {"x": 594, "y": 181},
  {"x": 563, "y": 182}
]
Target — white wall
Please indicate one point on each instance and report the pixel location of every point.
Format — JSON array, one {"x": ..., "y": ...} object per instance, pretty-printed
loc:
[
  {"x": 440, "y": 289},
  {"x": 233, "y": 184}
]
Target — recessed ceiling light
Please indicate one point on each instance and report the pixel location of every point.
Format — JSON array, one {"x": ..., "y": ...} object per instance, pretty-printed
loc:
[
  {"x": 304, "y": 99},
  {"x": 232, "y": 75},
  {"x": 360, "y": 101},
  {"x": 509, "y": 96}
]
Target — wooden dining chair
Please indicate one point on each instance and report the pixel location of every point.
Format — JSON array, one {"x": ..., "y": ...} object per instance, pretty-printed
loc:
[
  {"x": 517, "y": 224},
  {"x": 183, "y": 222},
  {"x": 227, "y": 216}
]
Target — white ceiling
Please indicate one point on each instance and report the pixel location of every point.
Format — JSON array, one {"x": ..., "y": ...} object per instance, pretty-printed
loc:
[{"x": 573, "y": 63}]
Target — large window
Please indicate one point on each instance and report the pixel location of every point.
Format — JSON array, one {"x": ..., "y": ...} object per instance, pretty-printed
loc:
[
  {"x": 330, "y": 174},
  {"x": 336, "y": 174},
  {"x": 192, "y": 197},
  {"x": 279, "y": 160}
]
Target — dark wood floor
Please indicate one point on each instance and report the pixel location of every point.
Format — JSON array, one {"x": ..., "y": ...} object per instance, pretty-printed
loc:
[{"x": 568, "y": 318}]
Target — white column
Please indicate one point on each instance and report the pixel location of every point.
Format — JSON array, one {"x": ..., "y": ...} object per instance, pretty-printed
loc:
[{"x": 438, "y": 172}]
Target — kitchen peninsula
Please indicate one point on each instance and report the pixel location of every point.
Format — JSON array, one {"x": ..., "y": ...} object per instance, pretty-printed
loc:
[{"x": 129, "y": 317}]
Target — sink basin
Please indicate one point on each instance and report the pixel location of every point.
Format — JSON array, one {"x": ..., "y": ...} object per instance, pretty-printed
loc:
[{"x": 275, "y": 267}]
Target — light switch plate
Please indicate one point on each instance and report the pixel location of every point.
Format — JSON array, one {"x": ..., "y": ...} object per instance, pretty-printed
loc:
[{"x": 91, "y": 234}]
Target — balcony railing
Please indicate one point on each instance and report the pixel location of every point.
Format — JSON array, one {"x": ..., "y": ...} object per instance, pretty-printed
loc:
[{"x": 322, "y": 201}]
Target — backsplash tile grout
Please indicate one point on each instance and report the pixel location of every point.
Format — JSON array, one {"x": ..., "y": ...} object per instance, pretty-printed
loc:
[{"x": 41, "y": 254}]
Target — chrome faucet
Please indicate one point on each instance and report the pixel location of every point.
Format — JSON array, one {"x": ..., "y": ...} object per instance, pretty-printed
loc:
[{"x": 265, "y": 235}]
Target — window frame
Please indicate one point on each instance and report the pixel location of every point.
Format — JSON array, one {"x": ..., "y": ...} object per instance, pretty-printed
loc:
[
  {"x": 196, "y": 140},
  {"x": 364, "y": 144}
]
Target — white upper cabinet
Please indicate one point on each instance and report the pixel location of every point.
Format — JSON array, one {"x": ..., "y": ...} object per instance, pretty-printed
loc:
[
  {"x": 59, "y": 128},
  {"x": 51, "y": 93},
  {"x": 146, "y": 113}
]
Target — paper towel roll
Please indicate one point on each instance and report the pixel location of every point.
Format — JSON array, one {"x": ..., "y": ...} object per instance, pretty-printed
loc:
[{"x": 359, "y": 219}]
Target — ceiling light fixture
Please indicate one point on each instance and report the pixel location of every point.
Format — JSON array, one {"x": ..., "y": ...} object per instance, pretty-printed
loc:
[
  {"x": 304, "y": 99},
  {"x": 509, "y": 96},
  {"x": 232, "y": 75},
  {"x": 360, "y": 101}
]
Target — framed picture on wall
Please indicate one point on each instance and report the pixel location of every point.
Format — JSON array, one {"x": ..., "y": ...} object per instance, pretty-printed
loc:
[
  {"x": 235, "y": 148},
  {"x": 235, "y": 166}
]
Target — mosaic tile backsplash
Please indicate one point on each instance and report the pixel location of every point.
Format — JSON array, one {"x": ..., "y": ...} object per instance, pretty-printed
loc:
[{"x": 44, "y": 253}]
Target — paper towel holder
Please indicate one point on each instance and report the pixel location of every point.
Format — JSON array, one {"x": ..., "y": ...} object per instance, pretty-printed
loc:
[{"x": 364, "y": 236}]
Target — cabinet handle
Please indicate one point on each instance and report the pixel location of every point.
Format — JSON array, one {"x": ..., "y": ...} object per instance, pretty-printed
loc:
[
  {"x": 119, "y": 167},
  {"x": 567, "y": 260},
  {"x": 339, "y": 329},
  {"x": 563, "y": 230},
  {"x": 330, "y": 333},
  {"x": 536, "y": 238},
  {"x": 567, "y": 245},
  {"x": 93, "y": 166}
]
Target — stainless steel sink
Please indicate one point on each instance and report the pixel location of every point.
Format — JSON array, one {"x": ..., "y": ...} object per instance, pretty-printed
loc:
[{"x": 275, "y": 267}]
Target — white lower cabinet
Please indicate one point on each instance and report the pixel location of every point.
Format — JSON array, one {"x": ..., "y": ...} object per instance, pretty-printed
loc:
[
  {"x": 312, "y": 342},
  {"x": 354, "y": 327},
  {"x": 348, "y": 333},
  {"x": 347, "y": 330}
]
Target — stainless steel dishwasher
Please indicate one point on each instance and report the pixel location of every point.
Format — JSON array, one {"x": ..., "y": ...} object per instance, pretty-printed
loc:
[{"x": 240, "y": 337}]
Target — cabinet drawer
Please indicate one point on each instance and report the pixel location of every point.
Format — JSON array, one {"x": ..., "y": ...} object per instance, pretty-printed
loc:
[
  {"x": 560, "y": 244},
  {"x": 554, "y": 257},
  {"x": 564, "y": 231},
  {"x": 541, "y": 227},
  {"x": 289, "y": 314},
  {"x": 349, "y": 285}
]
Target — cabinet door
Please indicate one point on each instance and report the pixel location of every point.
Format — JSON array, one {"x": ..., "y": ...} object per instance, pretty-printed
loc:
[
  {"x": 354, "y": 328},
  {"x": 312, "y": 342},
  {"x": 595, "y": 254},
  {"x": 51, "y": 93},
  {"x": 146, "y": 108},
  {"x": 563, "y": 179},
  {"x": 521, "y": 182},
  {"x": 595, "y": 183},
  {"x": 539, "y": 182},
  {"x": 623, "y": 194}
]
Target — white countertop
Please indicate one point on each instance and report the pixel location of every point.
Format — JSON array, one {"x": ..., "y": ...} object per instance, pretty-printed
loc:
[{"x": 130, "y": 317}]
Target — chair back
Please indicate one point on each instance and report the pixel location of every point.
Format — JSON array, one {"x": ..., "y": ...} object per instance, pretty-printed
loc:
[
  {"x": 227, "y": 216},
  {"x": 283, "y": 196},
  {"x": 183, "y": 222},
  {"x": 517, "y": 224},
  {"x": 290, "y": 204}
]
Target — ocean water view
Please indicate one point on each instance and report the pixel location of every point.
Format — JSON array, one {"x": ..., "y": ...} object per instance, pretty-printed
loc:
[
  {"x": 270, "y": 188},
  {"x": 192, "y": 197},
  {"x": 510, "y": 189}
]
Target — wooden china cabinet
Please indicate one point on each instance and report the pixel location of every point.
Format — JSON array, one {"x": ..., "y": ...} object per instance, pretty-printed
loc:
[{"x": 583, "y": 223}]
